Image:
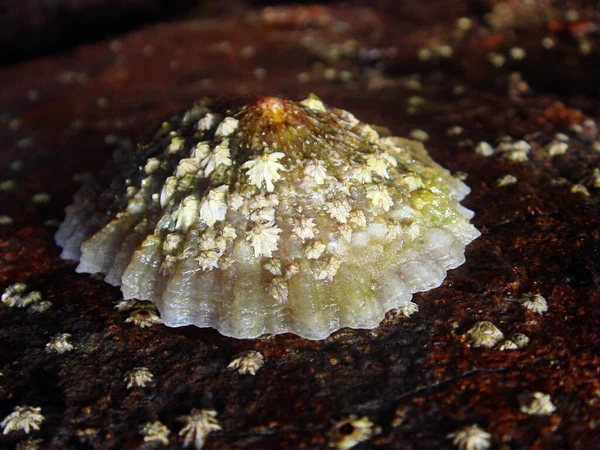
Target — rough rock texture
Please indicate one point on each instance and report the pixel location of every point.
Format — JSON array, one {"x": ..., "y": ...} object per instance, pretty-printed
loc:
[{"x": 416, "y": 379}]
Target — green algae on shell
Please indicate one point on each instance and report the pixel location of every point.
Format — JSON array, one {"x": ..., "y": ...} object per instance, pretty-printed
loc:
[{"x": 272, "y": 217}]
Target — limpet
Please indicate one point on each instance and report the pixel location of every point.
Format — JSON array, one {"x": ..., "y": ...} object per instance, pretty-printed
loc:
[{"x": 270, "y": 217}]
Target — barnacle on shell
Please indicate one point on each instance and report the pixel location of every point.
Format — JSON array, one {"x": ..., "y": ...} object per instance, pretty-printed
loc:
[{"x": 272, "y": 217}]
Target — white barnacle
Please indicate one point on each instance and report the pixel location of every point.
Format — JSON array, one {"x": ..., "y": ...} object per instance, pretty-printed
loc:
[
  {"x": 290, "y": 270},
  {"x": 227, "y": 127},
  {"x": 315, "y": 250},
  {"x": 208, "y": 260},
  {"x": 40, "y": 307},
  {"x": 138, "y": 377},
  {"x": 185, "y": 167},
  {"x": 409, "y": 309},
  {"x": 200, "y": 151},
  {"x": 172, "y": 243},
  {"x": 59, "y": 343},
  {"x": 143, "y": 318},
  {"x": 536, "y": 403},
  {"x": 198, "y": 424},
  {"x": 13, "y": 294},
  {"x": 168, "y": 190},
  {"x": 23, "y": 418},
  {"x": 176, "y": 144},
  {"x": 329, "y": 269},
  {"x": 152, "y": 165},
  {"x": 419, "y": 135},
  {"x": 155, "y": 431},
  {"x": 580, "y": 189},
  {"x": 378, "y": 164},
  {"x": 346, "y": 231},
  {"x": 520, "y": 340},
  {"x": 187, "y": 214},
  {"x": 351, "y": 431},
  {"x": 380, "y": 197},
  {"x": 484, "y": 334},
  {"x": 278, "y": 289},
  {"x": 484, "y": 149},
  {"x": 507, "y": 345},
  {"x": 471, "y": 438},
  {"x": 273, "y": 265},
  {"x": 247, "y": 363},
  {"x": 313, "y": 102},
  {"x": 264, "y": 238},
  {"x": 220, "y": 156},
  {"x": 338, "y": 210},
  {"x": 534, "y": 302},
  {"x": 264, "y": 169},
  {"x": 362, "y": 174},
  {"x": 214, "y": 206},
  {"x": 556, "y": 148},
  {"x": 263, "y": 215},
  {"x": 506, "y": 180},
  {"x": 207, "y": 122},
  {"x": 6, "y": 220},
  {"x": 358, "y": 218},
  {"x": 315, "y": 171},
  {"x": 412, "y": 182}
]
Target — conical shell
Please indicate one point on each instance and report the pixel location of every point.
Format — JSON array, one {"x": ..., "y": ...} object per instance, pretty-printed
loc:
[{"x": 272, "y": 217}]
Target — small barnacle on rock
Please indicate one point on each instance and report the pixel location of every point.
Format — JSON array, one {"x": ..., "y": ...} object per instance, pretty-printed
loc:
[
  {"x": 138, "y": 377},
  {"x": 534, "y": 302},
  {"x": 198, "y": 424},
  {"x": 484, "y": 334},
  {"x": 507, "y": 345},
  {"x": 59, "y": 343},
  {"x": 248, "y": 362},
  {"x": 471, "y": 438},
  {"x": 13, "y": 294},
  {"x": 23, "y": 418},
  {"x": 580, "y": 189},
  {"x": 408, "y": 310},
  {"x": 536, "y": 403},
  {"x": 155, "y": 432},
  {"x": 270, "y": 217},
  {"x": 506, "y": 180},
  {"x": 6, "y": 220},
  {"x": 555, "y": 148},
  {"x": 143, "y": 318},
  {"x": 484, "y": 149},
  {"x": 520, "y": 340},
  {"x": 351, "y": 431},
  {"x": 40, "y": 307}
]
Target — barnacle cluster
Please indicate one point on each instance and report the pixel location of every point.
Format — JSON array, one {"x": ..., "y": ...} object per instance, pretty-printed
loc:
[{"x": 270, "y": 217}]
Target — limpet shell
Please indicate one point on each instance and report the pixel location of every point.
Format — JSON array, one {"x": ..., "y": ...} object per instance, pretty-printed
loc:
[{"x": 271, "y": 217}]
